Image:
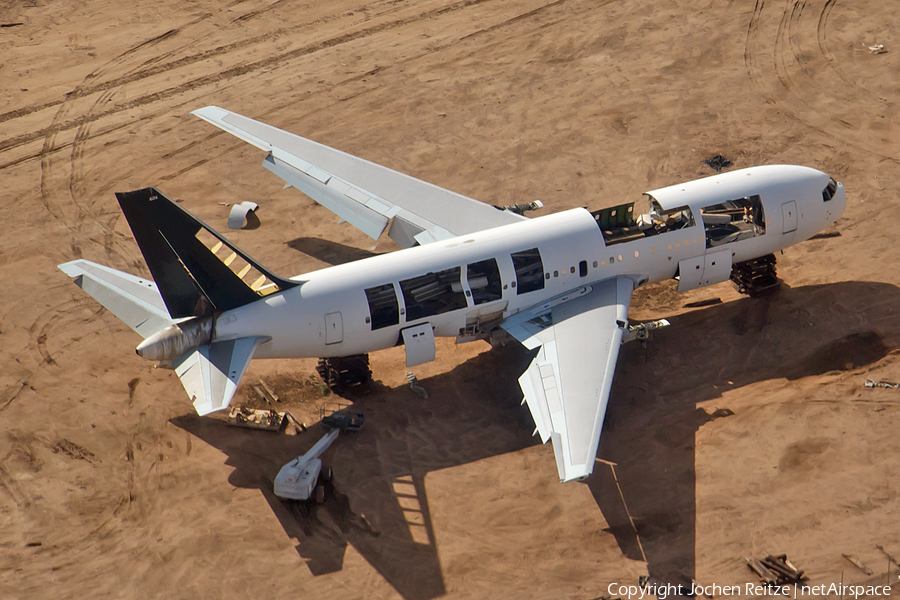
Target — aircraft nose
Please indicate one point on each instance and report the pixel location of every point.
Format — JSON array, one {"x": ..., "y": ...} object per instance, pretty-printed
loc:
[{"x": 838, "y": 203}]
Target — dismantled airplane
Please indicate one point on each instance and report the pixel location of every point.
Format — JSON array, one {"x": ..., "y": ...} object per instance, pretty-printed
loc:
[{"x": 560, "y": 284}]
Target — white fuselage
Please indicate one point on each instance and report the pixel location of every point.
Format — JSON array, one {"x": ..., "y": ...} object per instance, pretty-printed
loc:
[{"x": 333, "y": 314}]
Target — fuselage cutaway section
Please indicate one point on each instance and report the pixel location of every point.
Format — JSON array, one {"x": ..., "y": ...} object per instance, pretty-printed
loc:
[{"x": 464, "y": 286}]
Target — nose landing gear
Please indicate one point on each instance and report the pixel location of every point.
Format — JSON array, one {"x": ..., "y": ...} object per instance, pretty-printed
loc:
[{"x": 755, "y": 277}]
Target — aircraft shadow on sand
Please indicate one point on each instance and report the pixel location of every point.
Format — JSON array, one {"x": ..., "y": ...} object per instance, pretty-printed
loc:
[
  {"x": 653, "y": 415},
  {"x": 468, "y": 417},
  {"x": 649, "y": 432}
]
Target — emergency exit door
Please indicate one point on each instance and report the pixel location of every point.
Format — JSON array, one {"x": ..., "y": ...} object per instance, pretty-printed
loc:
[
  {"x": 789, "y": 216},
  {"x": 334, "y": 328}
]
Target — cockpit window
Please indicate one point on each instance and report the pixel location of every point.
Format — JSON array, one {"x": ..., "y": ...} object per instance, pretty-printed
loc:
[{"x": 830, "y": 190}]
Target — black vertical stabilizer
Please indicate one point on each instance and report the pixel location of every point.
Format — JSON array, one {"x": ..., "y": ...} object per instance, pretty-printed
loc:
[{"x": 192, "y": 280}]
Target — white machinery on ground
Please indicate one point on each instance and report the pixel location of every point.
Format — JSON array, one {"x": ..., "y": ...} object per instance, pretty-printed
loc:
[{"x": 299, "y": 479}]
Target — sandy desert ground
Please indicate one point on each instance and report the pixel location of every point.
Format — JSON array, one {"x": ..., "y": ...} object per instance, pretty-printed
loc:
[{"x": 110, "y": 485}]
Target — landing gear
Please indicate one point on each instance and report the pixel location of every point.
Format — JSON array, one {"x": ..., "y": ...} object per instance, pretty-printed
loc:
[
  {"x": 755, "y": 277},
  {"x": 339, "y": 373}
]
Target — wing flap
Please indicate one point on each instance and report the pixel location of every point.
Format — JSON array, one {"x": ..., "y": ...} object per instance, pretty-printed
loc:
[
  {"x": 210, "y": 374},
  {"x": 335, "y": 195},
  {"x": 352, "y": 187},
  {"x": 568, "y": 382}
]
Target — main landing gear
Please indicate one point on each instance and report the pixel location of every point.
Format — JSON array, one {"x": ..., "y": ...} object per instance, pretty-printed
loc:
[
  {"x": 339, "y": 373},
  {"x": 755, "y": 277}
]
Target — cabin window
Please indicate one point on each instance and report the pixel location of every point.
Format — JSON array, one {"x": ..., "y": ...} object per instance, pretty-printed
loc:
[
  {"x": 582, "y": 269},
  {"x": 529, "y": 270},
  {"x": 484, "y": 281},
  {"x": 733, "y": 220},
  {"x": 433, "y": 294},
  {"x": 383, "y": 307}
]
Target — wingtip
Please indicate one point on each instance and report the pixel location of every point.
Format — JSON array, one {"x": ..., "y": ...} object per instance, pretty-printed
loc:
[{"x": 210, "y": 112}]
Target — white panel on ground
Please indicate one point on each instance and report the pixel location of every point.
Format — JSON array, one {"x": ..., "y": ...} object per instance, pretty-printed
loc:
[{"x": 419, "y": 342}]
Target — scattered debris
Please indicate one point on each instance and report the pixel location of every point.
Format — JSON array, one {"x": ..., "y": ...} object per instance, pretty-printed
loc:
[
  {"x": 72, "y": 450},
  {"x": 298, "y": 426},
  {"x": 825, "y": 235},
  {"x": 415, "y": 386},
  {"x": 252, "y": 418},
  {"x": 702, "y": 303},
  {"x": 521, "y": 209},
  {"x": 17, "y": 24},
  {"x": 776, "y": 570},
  {"x": 719, "y": 413},
  {"x": 641, "y": 331},
  {"x": 717, "y": 162},
  {"x": 888, "y": 554},
  {"x": 341, "y": 417},
  {"x": 878, "y": 49},
  {"x": 269, "y": 391},
  {"x": 856, "y": 563},
  {"x": 33, "y": 544},
  {"x": 243, "y": 216},
  {"x": 871, "y": 383}
]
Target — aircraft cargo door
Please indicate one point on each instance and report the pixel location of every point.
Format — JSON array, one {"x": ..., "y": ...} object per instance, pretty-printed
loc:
[
  {"x": 789, "y": 216},
  {"x": 334, "y": 328}
]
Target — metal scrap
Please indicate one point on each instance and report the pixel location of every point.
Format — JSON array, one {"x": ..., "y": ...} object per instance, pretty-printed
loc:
[
  {"x": 878, "y": 49},
  {"x": 856, "y": 563},
  {"x": 269, "y": 420},
  {"x": 888, "y": 554},
  {"x": 243, "y": 216},
  {"x": 776, "y": 570},
  {"x": 415, "y": 386},
  {"x": 717, "y": 162},
  {"x": 871, "y": 383}
]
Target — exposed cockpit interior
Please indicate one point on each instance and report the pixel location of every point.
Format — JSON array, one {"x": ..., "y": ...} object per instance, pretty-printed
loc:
[{"x": 733, "y": 220}]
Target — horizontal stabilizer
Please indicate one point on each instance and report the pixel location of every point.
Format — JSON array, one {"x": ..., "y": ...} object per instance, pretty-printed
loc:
[
  {"x": 211, "y": 373},
  {"x": 135, "y": 301}
]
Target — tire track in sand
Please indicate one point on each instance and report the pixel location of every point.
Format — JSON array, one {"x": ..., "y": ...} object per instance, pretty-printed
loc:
[{"x": 787, "y": 57}]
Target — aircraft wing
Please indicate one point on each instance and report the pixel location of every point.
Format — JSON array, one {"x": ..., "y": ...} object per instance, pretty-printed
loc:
[
  {"x": 567, "y": 384},
  {"x": 367, "y": 195}
]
